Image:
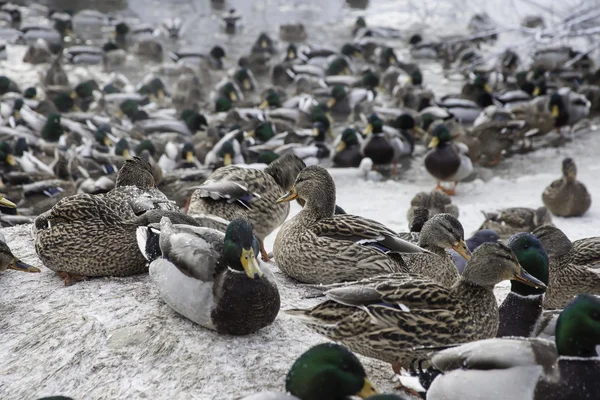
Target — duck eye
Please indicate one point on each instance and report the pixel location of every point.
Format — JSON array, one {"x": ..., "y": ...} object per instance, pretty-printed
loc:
[
  {"x": 526, "y": 246},
  {"x": 595, "y": 315}
]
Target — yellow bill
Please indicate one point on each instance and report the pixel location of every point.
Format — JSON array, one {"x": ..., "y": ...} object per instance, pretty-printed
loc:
[
  {"x": 367, "y": 390},
  {"x": 368, "y": 129},
  {"x": 11, "y": 160},
  {"x": 189, "y": 157},
  {"x": 250, "y": 264},
  {"x": 289, "y": 196},
  {"x": 555, "y": 111},
  {"x": 264, "y": 105},
  {"x": 7, "y": 203},
  {"x": 434, "y": 143},
  {"x": 227, "y": 159},
  {"x": 462, "y": 249},
  {"x": 341, "y": 146},
  {"x": 331, "y": 102}
]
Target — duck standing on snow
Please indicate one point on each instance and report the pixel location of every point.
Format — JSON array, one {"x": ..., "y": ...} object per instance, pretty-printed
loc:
[
  {"x": 447, "y": 161},
  {"x": 212, "y": 278},
  {"x": 236, "y": 192},
  {"x": 567, "y": 197}
]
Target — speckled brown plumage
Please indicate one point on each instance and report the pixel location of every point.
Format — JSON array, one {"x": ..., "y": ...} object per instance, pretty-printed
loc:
[
  {"x": 510, "y": 221},
  {"x": 439, "y": 316},
  {"x": 90, "y": 236},
  {"x": 318, "y": 246},
  {"x": 228, "y": 187},
  {"x": 135, "y": 172},
  {"x": 567, "y": 276},
  {"x": 439, "y": 233},
  {"x": 567, "y": 197},
  {"x": 390, "y": 317},
  {"x": 435, "y": 201}
]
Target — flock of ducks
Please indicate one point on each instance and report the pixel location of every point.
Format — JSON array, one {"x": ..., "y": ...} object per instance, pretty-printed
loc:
[{"x": 186, "y": 183}]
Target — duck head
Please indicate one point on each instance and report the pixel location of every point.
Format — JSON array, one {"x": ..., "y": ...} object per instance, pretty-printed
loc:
[
  {"x": 533, "y": 258},
  {"x": 241, "y": 248},
  {"x": 328, "y": 371}
]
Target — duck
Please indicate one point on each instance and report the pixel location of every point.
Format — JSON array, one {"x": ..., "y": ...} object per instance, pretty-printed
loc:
[
  {"x": 210, "y": 277},
  {"x": 348, "y": 149},
  {"x": 522, "y": 307},
  {"x": 435, "y": 202},
  {"x": 326, "y": 362},
  {"x": 480, "y": 237},
  {"x": 496, "y": 137},
  {"x": 567, "y": 197},
  {"x": 378, "y": 146},
  {"x": 513, "y": 220},
  {"x": 397, "y": 318},
  {"x": 447, "y": 161},
  {"x": 62, "y": 234},
  {"x": 342, "y": 103},
  {"x": 526, "y": 368},
  {"x": 236, "y": 192},
  {"x": 566, "y": 279},
  {"x": 319, "y": 247},
  {"x": 568, "y": 108},
  {"x": 440, "y": 233},
  {"x": 8, "y": 259}
]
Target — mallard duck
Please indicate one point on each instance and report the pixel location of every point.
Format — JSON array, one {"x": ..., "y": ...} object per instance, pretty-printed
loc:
[
  {"x": 347, "y": 149},
  {"x": 342, "y": 103},
  {"x": 496, "y": 137},
  {"x": 378, "y": 145},
  {"x": 214, "y": 279},
  {"x": 532, "y": 369},
  {"x": 235, "y": 192},
  {"x": 395, "y": 317},
  {"x": 480, "y": 237},
  {"x": 522, "y": 307},
  {"x": 62, "y": 234},
  {"x": 317, "y": 246},
  {"x": 568, "y": 108},
  {"x": 441, "y": 232},
  {"x": 327, "y": 363},
  {"x": 64, "y": 244},
  {"x": 447, "y": 161},
  {"x": 8, "y": 260},
  {"x": 435, "y": 202},
  {"x": 214, "y": 59},
  {"x": 510, "y": 221},
  {"x": 566, "y": 278},
  {"x": 567, "y": 197}
]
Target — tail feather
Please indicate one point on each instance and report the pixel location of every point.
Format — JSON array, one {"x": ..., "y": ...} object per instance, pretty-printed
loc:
[{"x": 148, "y": 240}]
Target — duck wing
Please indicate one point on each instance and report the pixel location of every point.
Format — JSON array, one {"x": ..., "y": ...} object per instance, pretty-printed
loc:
[{"x": 365, "y": 232}]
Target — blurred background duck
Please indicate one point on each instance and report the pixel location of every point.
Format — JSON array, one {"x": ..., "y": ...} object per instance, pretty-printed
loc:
[{"x": 447, "y": 161}]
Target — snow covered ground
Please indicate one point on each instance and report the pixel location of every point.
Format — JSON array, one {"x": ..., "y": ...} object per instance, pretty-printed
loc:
[{"x": 115, "y": 338}]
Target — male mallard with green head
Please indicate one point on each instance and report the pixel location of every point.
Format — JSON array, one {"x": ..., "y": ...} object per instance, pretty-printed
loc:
[
  {"x": 522, "y": 307},
  {"x": 524, "y": 368},
  {"x": 447, "y": 161},
  {"x": 326, "y": 371},
  {"x": 212, "y": 278}
]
